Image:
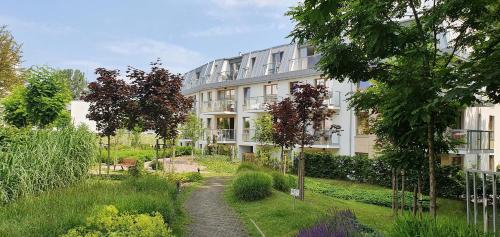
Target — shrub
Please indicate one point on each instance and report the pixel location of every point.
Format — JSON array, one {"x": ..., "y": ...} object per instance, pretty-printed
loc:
[
  {"x": 411, "y": 226},
  {"x": 250, "y": 186},
  {"x": 338, "y": 224},
  {"x": 281, "y": 182},
  {"x": 33, "y": 161},
  {"x": 156, "y": 165},
  {"x": 247, "y": 167},
  {"x": 107, "y": 221},
  {"x": 138, "y": 169},
  {"x": 185, "y": 177}
]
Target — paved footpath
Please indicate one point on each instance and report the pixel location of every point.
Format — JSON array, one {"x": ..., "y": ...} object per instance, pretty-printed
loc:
[{"x": 210, "y": 215}]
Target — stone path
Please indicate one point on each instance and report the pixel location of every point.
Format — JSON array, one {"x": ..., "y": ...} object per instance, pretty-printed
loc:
[{"x": 210, "y": 215}]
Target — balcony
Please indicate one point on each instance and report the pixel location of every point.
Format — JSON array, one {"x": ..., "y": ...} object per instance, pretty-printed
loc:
[
  {"x": 333, "y": 100},
  {"x": 326, "y": 139},
  {"x": 271, "y": 68},
  {"x": 248, "y": 135},
  {"x": 473, "y": 141},
  {"x": 303, "y": 63},
  {"x": 220, "y": 135},
  {"x": 219, "y": 107},
  {"x": 259, "y": 103}
]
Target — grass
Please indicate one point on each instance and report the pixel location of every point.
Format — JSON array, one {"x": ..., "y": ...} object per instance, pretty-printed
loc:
[
  {"x": 279, "y": 215},
  {"x": 54, "y": 212},
  {"x": 218, "y": 165}
]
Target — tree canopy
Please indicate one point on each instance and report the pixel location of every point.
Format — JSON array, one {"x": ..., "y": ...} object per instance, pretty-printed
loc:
[
  {"x": 415, "y": 48},
  {"x": 10, "y": 59}
]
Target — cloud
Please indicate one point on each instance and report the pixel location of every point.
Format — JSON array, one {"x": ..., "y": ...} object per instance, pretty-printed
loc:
[{"x": 175, "y": 57}]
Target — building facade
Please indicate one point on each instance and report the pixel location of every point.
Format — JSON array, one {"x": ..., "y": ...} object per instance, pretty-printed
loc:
[{"x": 231, "y": 93}]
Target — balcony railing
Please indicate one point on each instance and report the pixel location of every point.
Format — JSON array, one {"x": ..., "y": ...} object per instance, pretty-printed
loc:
[
  {"x": 259, "y": 102},
  {"x": 333, "y": 99},
  {"x": 326, "y": 138},
  {"x": 303, "y": 63},
  {"x": 248, "y": 135},
  {"x": 271, "y": 68},
  {"x": 227, "y": 106},
  {"x": 473, "y": 140},
  {"x": 220, "y": 135}
]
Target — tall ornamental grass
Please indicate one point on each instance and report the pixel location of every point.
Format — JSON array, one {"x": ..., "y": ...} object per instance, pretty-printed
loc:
[{"x": 33, "y": 161}]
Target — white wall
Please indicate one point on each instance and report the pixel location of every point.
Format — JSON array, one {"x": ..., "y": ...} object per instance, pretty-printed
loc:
[{"x": 79, "y": 110}]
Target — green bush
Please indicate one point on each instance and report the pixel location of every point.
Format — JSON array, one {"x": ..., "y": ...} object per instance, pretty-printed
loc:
[
  {"x": 411, "y": 226},
  {"x": 107, "y": 221},
  {"x": 33, "y": 161},
  {"x": 250, "y": 186},
  {"x": 281, "y": 182},
  {"x": 156, "y": 165},
  {"x": 378, "y": 171},
  {"x": 138, "y": 169},
  {"x": 247, "y": 167}
]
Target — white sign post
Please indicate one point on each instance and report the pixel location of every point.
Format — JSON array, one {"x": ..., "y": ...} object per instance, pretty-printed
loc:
[{"x": 295, "y": 193}]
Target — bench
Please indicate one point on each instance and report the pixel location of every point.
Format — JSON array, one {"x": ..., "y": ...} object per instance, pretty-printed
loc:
[{"x": 127, "y": 163}]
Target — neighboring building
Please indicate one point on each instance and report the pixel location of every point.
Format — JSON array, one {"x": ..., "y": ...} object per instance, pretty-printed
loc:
[
  {"x": 79, "y": 110},
  {"x": 230, "y": 93}
]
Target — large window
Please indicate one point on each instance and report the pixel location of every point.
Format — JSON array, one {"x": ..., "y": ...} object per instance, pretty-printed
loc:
[
  {"x": 362, "y": 123},
  {"x": 270, "y": 90},
  {"x": 292, "y": 84},
  {"x": 226, "y": 94},
  {"x": 246, "y": 93},
  {"x": 225, "y": 123}
]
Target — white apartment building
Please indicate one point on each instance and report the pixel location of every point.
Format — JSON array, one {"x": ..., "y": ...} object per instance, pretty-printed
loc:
[{"x": 230, "y": 93}]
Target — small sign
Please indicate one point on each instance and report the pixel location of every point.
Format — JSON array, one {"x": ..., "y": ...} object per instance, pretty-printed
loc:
[{"x": 294, "y": 192}]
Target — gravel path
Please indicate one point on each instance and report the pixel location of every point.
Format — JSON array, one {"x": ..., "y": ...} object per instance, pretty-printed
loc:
[{"x": 210, "y": 215}]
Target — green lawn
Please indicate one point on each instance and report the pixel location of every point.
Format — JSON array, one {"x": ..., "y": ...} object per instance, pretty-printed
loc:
[
  {"x": 276, "y": 215},
  {"x": 54, "y": 212}
]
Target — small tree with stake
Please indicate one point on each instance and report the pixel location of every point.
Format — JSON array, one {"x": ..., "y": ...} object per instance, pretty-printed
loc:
[
  {"x": 311, "y": 112},
  {"x": 192, "y": 129},
  {"x": 161, "y": 103},
  {"x": 108, "y": 97},
  {"x": 285, "y": 130}
]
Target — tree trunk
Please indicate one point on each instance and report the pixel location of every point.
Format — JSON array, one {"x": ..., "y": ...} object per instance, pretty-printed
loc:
[
  {"x": 394, "y": 193},
  {"x": 419, "y": 183},
  {"x": 100, "y": 154},
  {"x": 301, "y": 173},
  {"x": 173, "y": 156},
  {"x": 432, "y": 177},
  {"x": 403, "y": 204},
  {"x": 109, "y": 153},
  {"x": 283, "y": 160},
  {"x": 414, "y": 206}
]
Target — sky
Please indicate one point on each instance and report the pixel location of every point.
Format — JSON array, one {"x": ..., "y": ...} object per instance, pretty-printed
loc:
[{"x": 184, "y": 34}]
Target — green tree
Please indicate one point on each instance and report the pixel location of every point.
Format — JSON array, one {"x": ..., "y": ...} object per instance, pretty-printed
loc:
[
  {"x": 192, "y": 129},
  {"x": 76, "y": 82},
  {"x": 398, "y": 43},
  {"x": 10, "y": 59},
  {"x": 46, "y": 96},
  {"x": 264, "y": 129},
  {"x": 14, "y": 107}
]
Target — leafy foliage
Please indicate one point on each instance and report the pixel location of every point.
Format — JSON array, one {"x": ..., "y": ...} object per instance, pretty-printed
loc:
[
  {"x": 283, "y": 182},
  {"x": 14, "y": 106},
  {"x": 413, "y": 226},
  {"x": 338, "y": 224},
  {"x": 108, "y": 221},
  {"x": 33, "y": 161},
  {"x": 10, "y": 59},
  {"x": 252, "y": 186},
  {"x": 264, "y": 129},
  {"x": 76, "y": 82},
  {"x": 161, "y": 103},
  {"x": 108, "y": 97}
]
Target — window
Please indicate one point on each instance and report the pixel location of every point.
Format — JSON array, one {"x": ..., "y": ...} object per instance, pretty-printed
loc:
[
  {"x": 277, "y": 57},
  {"x": 252, "y": 62},
  {"x": 201, "y": 97},
  {"x": 318, "y": 82},
  {"x": 270, "y": 90},
  {"x": 225, "y": 123},
  {"x": 306, "y": 51},
  {"x": 246, "y": 94},
  {"x": 226, "y": 94},
  {"x": 209, "y": 123},
  {"x": 292, "y": 84},
  {"x": 362, "y": 124},
  {"x": 457, "y": 161},
  {"x": 209, "y": 96},
  {"x": 198, "y": 75},
  {"x": 491, "y": 125},
  {"x": 246, "y": 123}
]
